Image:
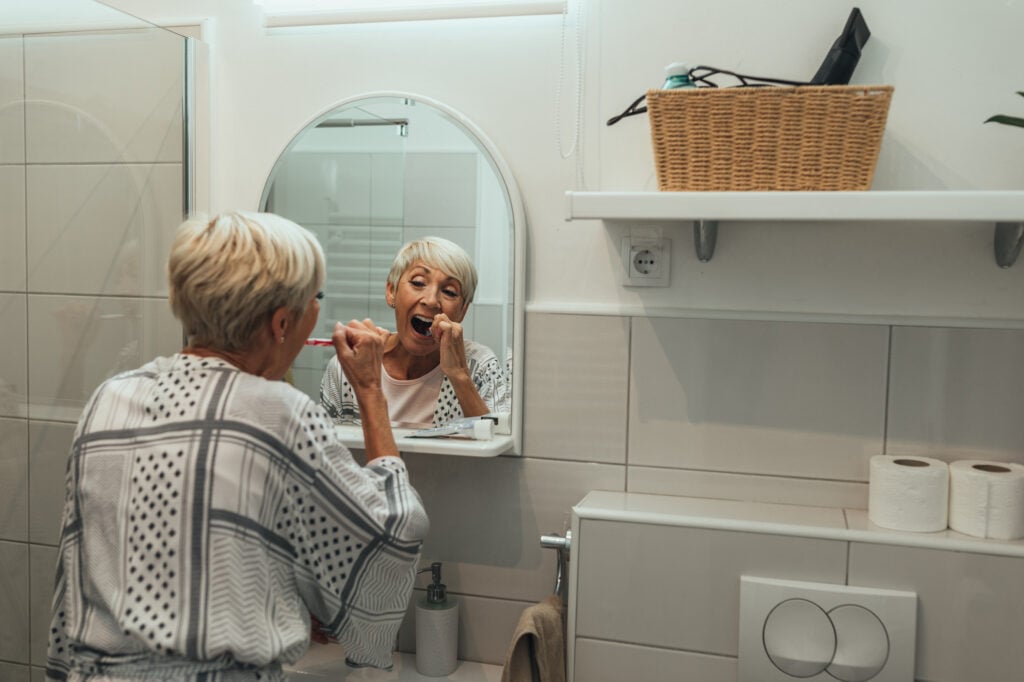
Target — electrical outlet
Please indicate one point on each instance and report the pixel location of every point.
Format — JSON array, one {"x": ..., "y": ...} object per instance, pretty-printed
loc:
[{"x": 645, "y": 262}]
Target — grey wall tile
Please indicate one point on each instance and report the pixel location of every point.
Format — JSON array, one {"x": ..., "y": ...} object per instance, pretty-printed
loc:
[
  {"x": 957, "y": 393},
  {"x": 14, "y": 359},
  {"x": 576, "y": 387},
  {"x": 43, "y": 564},
  {"x": 487, "y": 516},
  {"x": 14, "y": 602},
  {"x": 49, "y": 447},
  {"x": 14, "y": 478},
  {"x": 12, "y": 227},
  {"x": 786, "y": 398},
  {"x": 11, "y": 672},
  {"x": 102, "y": 229}
]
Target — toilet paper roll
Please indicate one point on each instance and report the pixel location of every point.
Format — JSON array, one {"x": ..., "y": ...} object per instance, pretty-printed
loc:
[
  {"x": 986, "y": 499},
  {"x": 909, "y": 493}
]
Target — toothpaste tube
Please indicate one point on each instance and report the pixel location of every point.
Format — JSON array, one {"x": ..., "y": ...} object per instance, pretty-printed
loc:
[{"x": 477, "y": 428}]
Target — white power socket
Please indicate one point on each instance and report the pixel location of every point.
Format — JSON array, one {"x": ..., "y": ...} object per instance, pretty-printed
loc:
[{"x": 645, "y": 262}]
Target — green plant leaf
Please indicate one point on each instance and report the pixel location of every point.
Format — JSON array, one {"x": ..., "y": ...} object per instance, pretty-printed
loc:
[{"x": 1006, "y": 120}]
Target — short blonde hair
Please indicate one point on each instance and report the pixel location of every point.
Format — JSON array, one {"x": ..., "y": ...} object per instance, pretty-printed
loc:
[
  {"x": 439, "y": 253},
  {"x": 228, "y": 275}
]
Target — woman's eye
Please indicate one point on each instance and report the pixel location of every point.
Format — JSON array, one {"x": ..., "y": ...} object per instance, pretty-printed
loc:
[
  {"x": 450, "y": 293},
  {"x": 417, "y": 283}
]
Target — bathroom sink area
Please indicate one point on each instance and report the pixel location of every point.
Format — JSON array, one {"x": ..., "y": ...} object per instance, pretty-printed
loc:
[{"x": 326, "y": 663}]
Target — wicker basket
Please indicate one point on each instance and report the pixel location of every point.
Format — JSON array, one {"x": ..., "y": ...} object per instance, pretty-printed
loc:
[{"x": 767, "y": 138}]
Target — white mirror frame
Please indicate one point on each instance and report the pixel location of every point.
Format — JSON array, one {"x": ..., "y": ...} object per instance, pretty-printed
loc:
[{"x": 503, "y": 444}]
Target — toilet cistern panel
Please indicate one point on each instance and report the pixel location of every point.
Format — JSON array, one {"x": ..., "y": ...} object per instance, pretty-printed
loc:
[{"x": 792, "y": 630}]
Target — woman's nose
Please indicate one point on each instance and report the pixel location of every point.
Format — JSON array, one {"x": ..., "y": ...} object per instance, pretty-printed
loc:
[{"x": 430, "y": 296}]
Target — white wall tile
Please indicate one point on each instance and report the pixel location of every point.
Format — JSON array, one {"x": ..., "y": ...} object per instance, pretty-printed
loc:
[
  {"x": 14, "y": 478},
  {"x": 49, "y": 447},
  {"x": 792, "y": 399},
  {"x": 576, "y": 383},
  {"x": 12, "y": 227},
  {"x": 970, "y": 608},
  {"x": 102, "y": 229},
  {"x": 120, "y": 96},
  {"x": 598, "y": 661},
  {"x": 957, "y": 393},
  {"x": 14, "y": 359},
  {"x": 14, "y": 602},
  {"x": 76, "y": 342},
  {"x": 12, "y": 105},
  {"x": 43, "y": 564},
  {"x": 748, "y": 488},
  {"x": 487, "y": 516},
  {"x": 486, "y": 627},
  {"x": 678, "y": 587}
]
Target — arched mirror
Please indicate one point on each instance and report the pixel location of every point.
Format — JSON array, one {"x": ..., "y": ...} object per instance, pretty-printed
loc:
[{"x": 382, "y": 169}]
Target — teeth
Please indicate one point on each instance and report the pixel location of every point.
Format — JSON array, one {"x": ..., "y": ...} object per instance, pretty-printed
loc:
[{"x": 422, "y": 324}]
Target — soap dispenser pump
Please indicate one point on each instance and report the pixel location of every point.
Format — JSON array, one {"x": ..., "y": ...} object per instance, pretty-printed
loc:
[{"x": 437, "y": 627}]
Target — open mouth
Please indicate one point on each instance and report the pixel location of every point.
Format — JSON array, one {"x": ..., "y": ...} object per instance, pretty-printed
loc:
[{"x": 421, "y": 325}]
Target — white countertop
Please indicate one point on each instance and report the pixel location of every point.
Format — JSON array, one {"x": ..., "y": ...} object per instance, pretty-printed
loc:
[
  {"x": 326, "y": 663},
  {"x": 849, "y": 525}
]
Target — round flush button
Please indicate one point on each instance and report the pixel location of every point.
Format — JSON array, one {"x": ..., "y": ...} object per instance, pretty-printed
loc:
[
  {"x": 863, "y": 645},
  {"x": 799, "y": 638}
]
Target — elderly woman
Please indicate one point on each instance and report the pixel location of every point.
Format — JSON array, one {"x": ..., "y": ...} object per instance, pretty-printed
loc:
[
  {"x": 210, "y": 510},
  {"x": 431, "y": 374}
]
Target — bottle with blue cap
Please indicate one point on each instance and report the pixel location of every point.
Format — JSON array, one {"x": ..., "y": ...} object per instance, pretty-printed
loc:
[{"x": 677, "y": 75}]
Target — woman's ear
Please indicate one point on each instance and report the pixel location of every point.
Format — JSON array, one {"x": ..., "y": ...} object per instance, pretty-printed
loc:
[
  {"x": 389, "y": 294},
  {"x": 280, "y": 323}
]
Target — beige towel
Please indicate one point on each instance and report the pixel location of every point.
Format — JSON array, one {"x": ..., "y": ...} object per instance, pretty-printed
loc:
[{"x": 537, "y": 651}]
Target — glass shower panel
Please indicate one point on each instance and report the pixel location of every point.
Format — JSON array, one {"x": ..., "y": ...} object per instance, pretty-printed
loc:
[{"x": 105, "y": 169}]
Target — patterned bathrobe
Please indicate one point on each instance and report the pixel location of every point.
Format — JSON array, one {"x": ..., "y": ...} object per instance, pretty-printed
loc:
[{"x": 208, "y": 513}]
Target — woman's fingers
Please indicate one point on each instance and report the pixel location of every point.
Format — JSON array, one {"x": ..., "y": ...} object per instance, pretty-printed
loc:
[{"x": 360, "y": 348}]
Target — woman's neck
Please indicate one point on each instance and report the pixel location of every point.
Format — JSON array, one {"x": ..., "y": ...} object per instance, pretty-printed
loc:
[
  {"x": 246, "y": 361},
  {"x": 400, "y": 364}
]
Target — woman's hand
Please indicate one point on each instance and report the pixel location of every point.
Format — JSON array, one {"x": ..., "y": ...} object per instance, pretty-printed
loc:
[
  {"x": 455, "y": 366},
  {"x": 360, "y": 348},
  {"x": 453, "y": 350}
]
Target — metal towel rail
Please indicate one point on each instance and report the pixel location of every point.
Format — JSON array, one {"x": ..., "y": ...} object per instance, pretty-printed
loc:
[{"x": 563, "y": 545}]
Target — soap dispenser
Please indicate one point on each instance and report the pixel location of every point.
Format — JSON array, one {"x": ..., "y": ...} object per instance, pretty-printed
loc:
[{"x": 437, "y": 627}]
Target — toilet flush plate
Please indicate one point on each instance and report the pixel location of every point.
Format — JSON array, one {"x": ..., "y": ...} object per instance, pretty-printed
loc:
[{"x": 791, "y": 630}]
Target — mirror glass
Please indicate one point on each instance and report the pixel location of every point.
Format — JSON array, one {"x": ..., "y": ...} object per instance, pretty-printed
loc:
[{"x": 378, "y": 171}]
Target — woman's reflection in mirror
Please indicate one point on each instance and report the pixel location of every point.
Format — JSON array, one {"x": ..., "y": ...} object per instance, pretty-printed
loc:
[{"x": 431, "y": 374}]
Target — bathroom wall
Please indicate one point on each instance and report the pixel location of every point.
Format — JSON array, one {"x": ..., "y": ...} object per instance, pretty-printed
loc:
[{"x": 797, "y": 352}]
